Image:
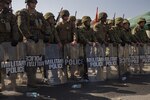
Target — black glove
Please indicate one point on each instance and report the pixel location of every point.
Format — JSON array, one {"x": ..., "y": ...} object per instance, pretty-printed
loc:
[
  {"x": 46, "y": 39},
  {"x": 34, "y": 38},
  {"x": 123, "y": 44},
  {"x": 14, "y": 43}
]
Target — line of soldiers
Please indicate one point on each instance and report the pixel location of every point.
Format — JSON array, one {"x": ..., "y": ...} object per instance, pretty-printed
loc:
[{"x": 29, "y": 31}]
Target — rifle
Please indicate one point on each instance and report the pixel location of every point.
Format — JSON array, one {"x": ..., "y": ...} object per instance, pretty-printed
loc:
[
  {"x": 123, "y": 16},
  {"x": 58, "y": 17},
  {"x": 75, "y": 13},
  {"x": 114, "y": 18}
]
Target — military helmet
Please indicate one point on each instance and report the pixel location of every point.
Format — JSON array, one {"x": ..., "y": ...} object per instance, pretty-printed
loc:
[
  {"x": 141, "y": 20},
  {"x": 8, "y": 1},
  {"x": 126, "y": 21},
  {"x": 27, "y": 1},
  {"x": 78, "y": 20},
  {"x": 110, "y": 21},
  {"x": 64, "y": 13},
  {"x": 47, "y": 15},
  {"x": 102, "y": 15},
  {"x": 118, "y": 20},
  {"x": 85, "y": 18},
  {"x": 72, "y": 18}
]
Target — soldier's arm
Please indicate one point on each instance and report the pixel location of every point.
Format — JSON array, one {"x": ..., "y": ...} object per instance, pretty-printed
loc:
[
  {"x": 98, "y": 29},
  {"x": 14, "y": 30},
  {"x": 56, "y": 36},
  {"x": 23, "y": 24}
]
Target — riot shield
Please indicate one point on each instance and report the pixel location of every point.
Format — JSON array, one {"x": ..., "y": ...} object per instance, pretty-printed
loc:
[
  {"x": 111, "y": 61},
  {"x": 95, "y": 62},
  {"x": 53, "y": 64},
  {"x": 9, "y": 69},
  {"x": 74, "y": 60}
]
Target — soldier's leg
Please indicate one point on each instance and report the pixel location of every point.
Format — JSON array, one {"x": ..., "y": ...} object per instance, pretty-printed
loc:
[
  {"x": 21, "y": 54},
  {"x": 12, "y": 53},
  {"x": 85, "y": 73},
  {"x": 31, "y": 71}
]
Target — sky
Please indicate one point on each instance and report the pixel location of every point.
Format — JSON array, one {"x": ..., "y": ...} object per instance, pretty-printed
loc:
[{"x": 130, "y": 8}]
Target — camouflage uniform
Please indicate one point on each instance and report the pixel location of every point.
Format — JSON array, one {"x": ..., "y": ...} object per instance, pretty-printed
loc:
[
  {"x": 120, "y": 37},
  {"x": 85, "y": 36},
  {"x": 50, "y": 47},
  {"x": 32, "y": 26},
  {"x": 8, "y": 39},
  {"x": 140, "y": 34},
  {"x": 66, "y": 33},
  {"x": 101, "y": 33},
  {"x": 78, "y": 23}
]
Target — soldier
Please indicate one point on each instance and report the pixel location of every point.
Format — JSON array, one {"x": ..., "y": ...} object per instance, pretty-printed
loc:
[
  {"x": 72, "y": 20},
  {"x": 53, "y": 39},
  {"x": 86, "y": 36},
  {"x": 120, "y": 37},
  {"x": 110, "y": 23},
  {"x": 101, "y": 28},
  {"x": 128, "y": 46},
  {"x": 78, "y": 23},
  {"x": 66, "y": 33},
  {"x": 32, "y": 26},
  {"x": 140, "y": 34},
  {"x": 8, "y": 39},
  {"x": 101, "y": 33}
]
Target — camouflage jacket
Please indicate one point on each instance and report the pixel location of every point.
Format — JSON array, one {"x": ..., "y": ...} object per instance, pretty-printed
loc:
[
  {"x": 32, "y": 24},
  {"x": 119, "y": 35},
  {"x": 8, "y": 27},
  {"x": 53, "y": 38},
  {"x": 101, "y": 32},
  {"x": 86, "y": 35},
  {"x": 140, "y": 34},
  {"x": 66, "y": 32}
]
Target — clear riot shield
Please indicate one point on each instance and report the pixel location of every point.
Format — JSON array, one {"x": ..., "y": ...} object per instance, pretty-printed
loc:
[
  {"x": 34, "y": 51},
  {"x": 95, "y": 62},
  {"x": 145, "y": 60},
  {"x": 74, "y": 60},
  {"x": 111, "y": 61},
  {"x": 134, "y": 59},
  {"x": 21, "y": 54},
  {"x": 9, "y": 66},
  {"x": 53, "y": 64}
]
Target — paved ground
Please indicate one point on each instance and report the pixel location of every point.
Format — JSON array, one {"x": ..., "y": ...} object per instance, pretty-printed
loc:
[{"x": 137, "y": 88}]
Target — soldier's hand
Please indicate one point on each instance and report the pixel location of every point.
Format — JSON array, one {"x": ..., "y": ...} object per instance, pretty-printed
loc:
[
  {"x": 46, "y": 39},
  {"x": 123, "y": 44},
  {"x": 74, "y": 43},
  {"x": 90, "y": 43},
  {"x": 60, "y": 45},
  {"x": 141, "y": 44},
  {"x": 115, "y": 44},
  {"x": 14, "y": 43},
  {"x": 24, "y": 39},
  {"x": 35, "y": 39}
]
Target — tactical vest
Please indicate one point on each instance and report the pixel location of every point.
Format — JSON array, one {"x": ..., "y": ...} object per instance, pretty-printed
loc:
[
  {"x": 5, "y": 27},
  {"x": 34, "y": 22},
  {"x": 86, "y": 35},
  {"x": 65, "y": 32}
]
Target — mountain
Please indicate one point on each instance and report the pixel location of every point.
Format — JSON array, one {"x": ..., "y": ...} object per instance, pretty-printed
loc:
[{"x": 133, "y": 21}]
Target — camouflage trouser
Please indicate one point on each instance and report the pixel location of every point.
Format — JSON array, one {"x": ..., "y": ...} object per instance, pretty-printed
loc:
[
  {"x": 8, "y": 53},
  {"x": 34, "y": 49}
]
